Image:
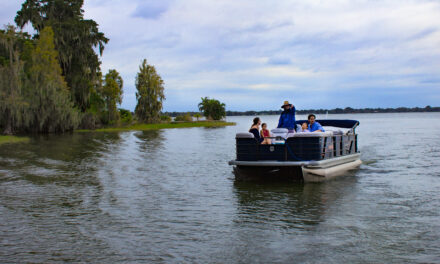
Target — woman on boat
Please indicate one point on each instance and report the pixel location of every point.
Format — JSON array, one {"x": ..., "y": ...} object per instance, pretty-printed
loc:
[{"x": 255, "y": 129}]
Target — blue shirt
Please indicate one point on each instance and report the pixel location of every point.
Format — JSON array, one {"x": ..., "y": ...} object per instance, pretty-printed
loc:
[
  {"x": 287, "y": 119},
  {"x": 316, "y": 126}
]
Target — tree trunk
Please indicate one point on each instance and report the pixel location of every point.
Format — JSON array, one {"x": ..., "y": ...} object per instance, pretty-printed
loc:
[{"x": 8, "y": 128}]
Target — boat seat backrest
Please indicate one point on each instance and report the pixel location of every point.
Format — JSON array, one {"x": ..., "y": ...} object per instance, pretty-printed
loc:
[
  {"x": 312, "y": 134},
  {"x": 244, "y": 135}
]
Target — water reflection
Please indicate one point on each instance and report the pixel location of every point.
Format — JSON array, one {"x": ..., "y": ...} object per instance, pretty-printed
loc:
[
  {"x": 268, "y": 174},
  {"x": 150, "y": 140},
  {"x": 288, "y": 205},
  {"x": 291, "y": 205},
  {"x": 62, "y": 159},
  {"x": 169, "y": 196},
  {"x": 48, "y": 187}
]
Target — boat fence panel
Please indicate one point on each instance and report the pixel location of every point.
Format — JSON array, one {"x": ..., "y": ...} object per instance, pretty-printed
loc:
[
  {"x": 247, "y": 149},
  {"x": 349, "y": 144},
  {"x": 305, "y": 148},
  {"x": 328, "y": 148},
  {"x": 297, "y": 148},
  {"x": 272, "y": 152},
  {"x": 337, "y": 145}
]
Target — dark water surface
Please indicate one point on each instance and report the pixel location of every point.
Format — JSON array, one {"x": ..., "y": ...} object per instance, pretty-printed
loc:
[{"x": 169, "y": 196}]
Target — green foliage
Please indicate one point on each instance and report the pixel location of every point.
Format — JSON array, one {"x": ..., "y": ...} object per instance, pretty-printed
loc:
[
  {"x": 197, "y": 115},
  {"x": 186, "y": 118},
  {"x": 212, "y": 109},
  {"x": 50, "y": 105},
  {"x": 97, "y": 102},
  {"x": 112, "y": 93},
  {"x": 165, "y": 118},
  {"x": 150, "y": 94},
  {"x": 126, "y": 116},
  {"x": 75, "y": 39},
  {"x": 12, "y": 100},
  {"x": 96, "y": 114},
  {"x": 33, "y": 94},
  {"x": 104, "y": 97}
]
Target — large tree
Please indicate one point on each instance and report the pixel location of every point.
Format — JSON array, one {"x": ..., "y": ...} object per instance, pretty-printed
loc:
[
  {"x": 112, "y": 92},
  {"x": 12, "y": 103},
  {"x": 75, "y": 39},
  {"x": 150, "y": 94},
  {"x": 50, "y": 107}
]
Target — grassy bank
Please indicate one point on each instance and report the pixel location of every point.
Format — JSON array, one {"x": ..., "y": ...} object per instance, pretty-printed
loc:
[
  {"x": 144, "y": 127},
  {"x": 12, "y": 139}
]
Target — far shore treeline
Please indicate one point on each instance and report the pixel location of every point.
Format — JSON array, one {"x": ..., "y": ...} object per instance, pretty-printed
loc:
[
  {"x": 347, "y": 110},
  {"x": 52, "y": 82}
]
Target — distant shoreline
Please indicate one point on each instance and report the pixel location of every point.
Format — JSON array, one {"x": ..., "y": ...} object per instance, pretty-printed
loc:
[{"x": 347, "y": 110}]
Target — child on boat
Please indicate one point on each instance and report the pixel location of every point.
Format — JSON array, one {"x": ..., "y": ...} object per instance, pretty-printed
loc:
[
  {"x": 265, "y": 134},
  {"x": 304, "y": 127}
]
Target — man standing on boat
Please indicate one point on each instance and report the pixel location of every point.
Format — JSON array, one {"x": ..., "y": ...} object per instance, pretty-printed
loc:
[{"x": 287, "y": 118}]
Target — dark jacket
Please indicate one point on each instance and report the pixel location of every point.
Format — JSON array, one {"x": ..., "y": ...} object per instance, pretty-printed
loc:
[
  {"x": 287, "y": 119},
  {"x": 256, "y": 134}
]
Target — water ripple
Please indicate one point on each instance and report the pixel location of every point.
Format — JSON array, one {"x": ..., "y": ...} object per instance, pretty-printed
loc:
[{"x": 169, "y": 196}]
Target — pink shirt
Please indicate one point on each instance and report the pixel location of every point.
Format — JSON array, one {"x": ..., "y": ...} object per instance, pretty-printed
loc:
[{"x": 265, "y": 133}]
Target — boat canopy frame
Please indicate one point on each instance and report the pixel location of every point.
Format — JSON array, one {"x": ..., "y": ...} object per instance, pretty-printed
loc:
[{"x": 342, "y": 123}]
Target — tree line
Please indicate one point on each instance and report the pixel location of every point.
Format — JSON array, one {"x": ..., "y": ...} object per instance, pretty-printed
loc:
[
  {"x": 347, "y": 110},
  {"x": 52, "y": 81},
  {"x": 212, "y": 109}
]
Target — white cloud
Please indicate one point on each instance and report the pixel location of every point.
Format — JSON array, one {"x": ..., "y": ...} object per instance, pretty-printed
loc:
[{"x": 264, "y": 49}]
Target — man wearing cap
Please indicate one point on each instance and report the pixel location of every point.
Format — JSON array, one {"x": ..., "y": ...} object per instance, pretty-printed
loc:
[{"x": 287, "y": 118}]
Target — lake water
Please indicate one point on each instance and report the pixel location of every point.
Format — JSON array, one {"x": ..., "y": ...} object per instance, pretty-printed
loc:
[{"x": 169, "y": 196}]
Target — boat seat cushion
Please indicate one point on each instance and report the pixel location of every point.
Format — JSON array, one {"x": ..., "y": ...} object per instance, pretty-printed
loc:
[
  {"x": 338, "y": 132},
  {"x": 279, "y": 132},
  {"x": 312, "y": 134},
  {"x": 244, "y": 135}
]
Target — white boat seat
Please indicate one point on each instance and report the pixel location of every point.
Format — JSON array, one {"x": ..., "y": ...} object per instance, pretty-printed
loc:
[
  {"x": 280, "y": 132},
  {"x": 312, "y": 134}
]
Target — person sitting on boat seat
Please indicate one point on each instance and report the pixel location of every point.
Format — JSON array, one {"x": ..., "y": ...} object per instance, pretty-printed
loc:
[
  {"x": 265, "y": 134},
  {"x": 255, "y": 129},
  {"x": 287, "y": 117},
  {"x": 313, "y": 125},
  {"x": 304, "y": 128}
]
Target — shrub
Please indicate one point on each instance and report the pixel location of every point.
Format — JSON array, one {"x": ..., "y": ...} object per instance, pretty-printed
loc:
[
  {"x": 126, "y": 116},
  {"x": 165, "y": 118},
  {"x": 186, "y": 118},
  {"x": 197, "y": 115}
]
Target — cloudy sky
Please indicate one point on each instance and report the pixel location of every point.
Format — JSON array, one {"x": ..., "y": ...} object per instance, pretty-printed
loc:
[{"x": 254, "y": 54}]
